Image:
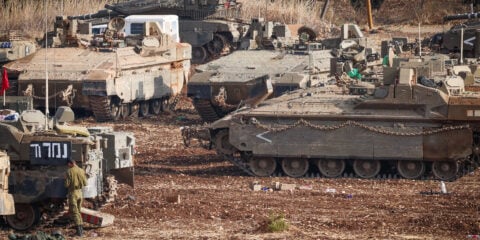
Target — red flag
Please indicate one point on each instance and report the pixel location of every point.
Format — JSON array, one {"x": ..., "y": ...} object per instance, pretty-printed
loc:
[{"x": 5, "y": 83}]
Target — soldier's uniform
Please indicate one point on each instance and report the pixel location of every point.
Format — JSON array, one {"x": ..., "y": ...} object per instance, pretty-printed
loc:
[{"x": 74, "y": 182}]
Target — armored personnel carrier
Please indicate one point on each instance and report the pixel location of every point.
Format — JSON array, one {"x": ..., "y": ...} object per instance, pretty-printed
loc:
[
  {"x": 110, "y": 74},
  {"x": 38, "y": 160},
  {"x": 211, "y": 27},
  {"x": 419, "y": 123},
  {"x": 14, "y": 46}
]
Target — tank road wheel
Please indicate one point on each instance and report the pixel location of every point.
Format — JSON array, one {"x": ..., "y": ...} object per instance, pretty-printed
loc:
[
  {"x": 134, "y": 109},
  {"x": 366, "y": 168},
  {"x": 476, "y": 148},
  {"x": 26, "y": 216},
  {"x": 115, "y": 110},
  {"x": 411, "y": 169},
  {"x": 199, "y": 55},
  {"x": 143, "y": 110},
  {"x": 222, "y": 144},
  {"x": 262, "y": 167},
  {"x": 156, "y": 106},
  {"x": 295, "y": 167},
  {"x": 445, "y": 170},
  {"x": 217, "y": 45},
  {"x": 164, "y": 102},
  {"x": 331, "y": 168},
  {"x": 124, "y": 110}
]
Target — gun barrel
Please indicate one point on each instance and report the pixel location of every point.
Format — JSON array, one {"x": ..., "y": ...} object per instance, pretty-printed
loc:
[
  {"x": 461, "y": 16},
  {"x": 100, "y": 14}
]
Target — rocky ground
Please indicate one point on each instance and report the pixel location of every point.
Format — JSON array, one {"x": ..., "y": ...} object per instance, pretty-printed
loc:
[{"x": 214, "y": 199}]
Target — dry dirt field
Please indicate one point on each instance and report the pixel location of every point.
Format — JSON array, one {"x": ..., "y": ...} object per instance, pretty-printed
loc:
[{"x": 216, "y": 201}]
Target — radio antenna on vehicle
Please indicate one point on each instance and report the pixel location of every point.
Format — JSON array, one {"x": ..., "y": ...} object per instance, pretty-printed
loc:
[{"x": 46, "y": 66}]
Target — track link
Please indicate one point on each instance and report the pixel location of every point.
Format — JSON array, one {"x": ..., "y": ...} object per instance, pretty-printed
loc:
[
  {"x": 101, "y": 108},
  {"x": 206, "y": 110}
]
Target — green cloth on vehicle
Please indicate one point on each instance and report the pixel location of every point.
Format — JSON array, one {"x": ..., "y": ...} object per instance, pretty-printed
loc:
[{"x": 355, "y": 74}]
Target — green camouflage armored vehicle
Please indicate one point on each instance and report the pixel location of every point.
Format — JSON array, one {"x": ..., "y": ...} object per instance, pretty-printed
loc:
[
  {"x": 420, "y": 123},
  {"x": 38, "y": 160},
  {"x": 211, "y": 27},
  {"x": 111, "y": 74}
]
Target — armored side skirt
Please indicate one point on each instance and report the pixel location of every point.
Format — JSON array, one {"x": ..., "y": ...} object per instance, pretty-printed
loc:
[{"x": 353, "y": 140}]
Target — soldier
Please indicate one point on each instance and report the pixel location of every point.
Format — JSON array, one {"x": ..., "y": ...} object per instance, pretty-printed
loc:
[{"x": 75, "y": 180}]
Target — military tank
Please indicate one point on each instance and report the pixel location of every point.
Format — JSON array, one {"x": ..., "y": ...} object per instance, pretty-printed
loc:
[
  {"x": 211, "y": 27},
  {"x": 38, "y": 160},
  {"x": 13, "y": 46},
  {"x": 420, "y": 123},
  {"x": 114, "y": 75},
  {"x": 222, "y": 85}
]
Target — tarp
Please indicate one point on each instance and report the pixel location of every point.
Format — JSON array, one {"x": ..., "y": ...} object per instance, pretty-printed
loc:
[{"x": 355, "y": 74}]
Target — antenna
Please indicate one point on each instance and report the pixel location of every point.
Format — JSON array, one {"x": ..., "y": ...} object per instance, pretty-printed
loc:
[
  {"x": 46, "y": 66},
  {"x": 419, "y": 42}
]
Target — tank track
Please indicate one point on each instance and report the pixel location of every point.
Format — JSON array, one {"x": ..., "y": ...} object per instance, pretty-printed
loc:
[
  {"x": 100, "y": 106},
  {"x": 49, "y": 218},
  {"x": 174, "y": 102},
  {"x": 238, "y": 159},
  {"x": 110, "y": 192},
  {"x": 206, "y": 110}
]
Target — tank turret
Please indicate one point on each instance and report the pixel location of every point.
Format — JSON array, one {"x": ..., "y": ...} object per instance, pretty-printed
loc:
[
  {"x": 450, "y": 41},
  {"x": 212, "y": 28}
]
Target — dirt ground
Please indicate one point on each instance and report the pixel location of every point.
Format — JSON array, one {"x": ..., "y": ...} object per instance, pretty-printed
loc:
[{"x": 216, "y": 201}]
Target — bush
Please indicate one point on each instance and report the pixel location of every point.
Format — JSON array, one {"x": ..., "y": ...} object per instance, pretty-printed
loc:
[{"x": 277, "y": 223}]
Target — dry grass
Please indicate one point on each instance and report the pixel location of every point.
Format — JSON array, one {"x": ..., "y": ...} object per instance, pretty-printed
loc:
[
  {"x": 29, "y": 15},
  {"x": 286, "y": 11}
]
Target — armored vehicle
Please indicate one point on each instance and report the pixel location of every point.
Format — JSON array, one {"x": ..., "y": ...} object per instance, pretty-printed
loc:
[
  {"x": 419, "y": 123},
  {"x": 38, "y": 160},
  {"x": 451, "y": 41},
  {"x": 111, "y": 74},
  {"x": 14, "y": 46},
  {"x": 220, "y": 86},
  {"x": 211, "y": 27}
]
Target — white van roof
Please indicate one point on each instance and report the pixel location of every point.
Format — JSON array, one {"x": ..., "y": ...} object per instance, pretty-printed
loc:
[{"x": 150, "y": 17}]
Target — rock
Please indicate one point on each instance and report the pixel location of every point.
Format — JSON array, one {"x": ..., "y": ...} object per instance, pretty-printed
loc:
[
  {"x": 286, "y": 187},
  {"x": 173, "y": 198}
]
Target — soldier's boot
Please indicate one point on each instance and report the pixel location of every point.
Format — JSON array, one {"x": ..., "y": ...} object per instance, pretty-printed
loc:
[{"x": 80, "y": 230}]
